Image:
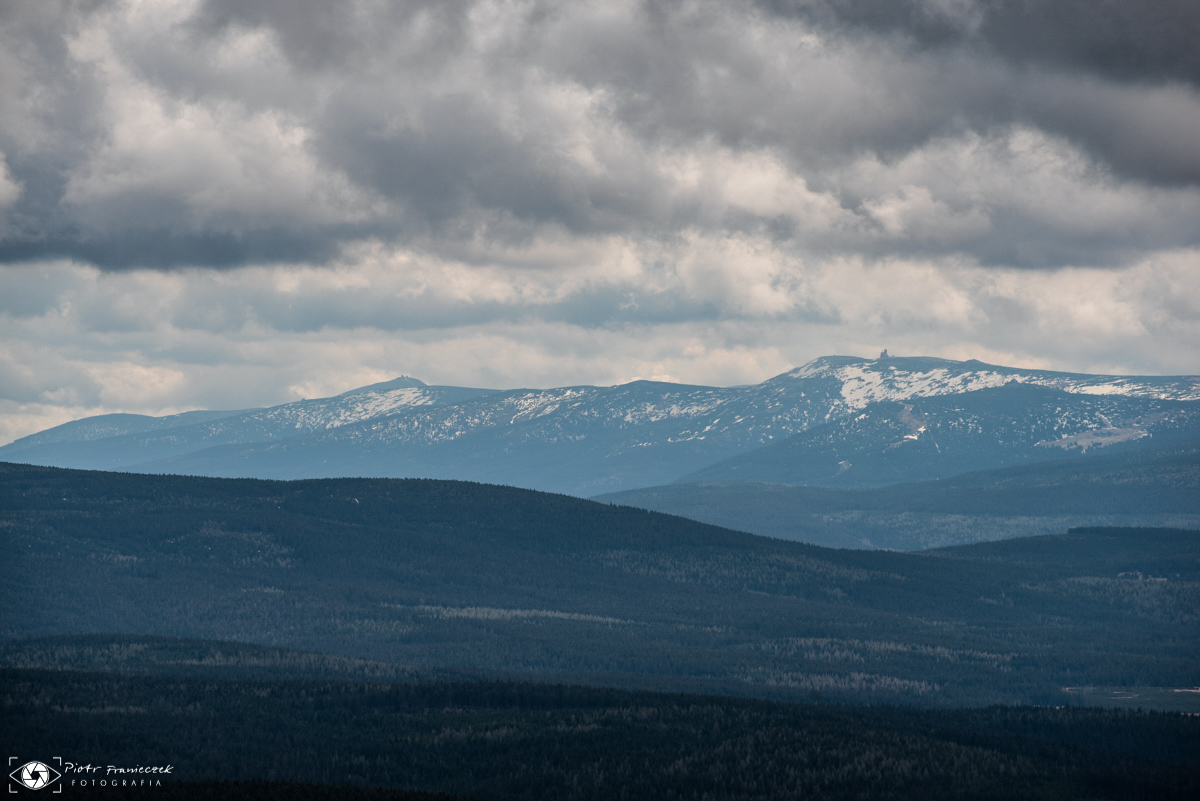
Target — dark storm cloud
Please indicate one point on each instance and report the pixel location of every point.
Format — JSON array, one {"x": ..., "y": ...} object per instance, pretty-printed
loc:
[
  {"x": 318, "y": 35},
  {"x": 36, "y": 62},
  {"x": 1146, "y": 42},
  {"x": 276, "y": 131},
  {"x": 1131, "y": 40},
  {"x": 152, "y": 248}
]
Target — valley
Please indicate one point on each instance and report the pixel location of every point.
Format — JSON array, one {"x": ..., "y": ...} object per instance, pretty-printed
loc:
[{"x": 1149, "y": 487}]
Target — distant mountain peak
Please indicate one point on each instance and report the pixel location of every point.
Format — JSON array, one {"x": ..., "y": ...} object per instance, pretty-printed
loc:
[
  {"x": 402, "y": 382},
  {"x": 823, "y": 365}
]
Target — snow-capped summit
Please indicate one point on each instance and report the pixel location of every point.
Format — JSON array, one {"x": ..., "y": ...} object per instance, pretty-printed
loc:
[
  {"x": 894, "y": 378},
  {"x": 401, "y": 382}
]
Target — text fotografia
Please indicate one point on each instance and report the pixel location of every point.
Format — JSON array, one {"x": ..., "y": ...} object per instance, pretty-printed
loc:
[{"x": 116, "y": 782}]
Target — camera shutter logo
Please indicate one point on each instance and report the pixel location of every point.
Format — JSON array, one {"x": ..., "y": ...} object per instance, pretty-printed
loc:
[{"x": 35, "y": 775}]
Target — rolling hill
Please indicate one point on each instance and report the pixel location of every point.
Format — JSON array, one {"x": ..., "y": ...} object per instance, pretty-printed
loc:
[{"x": 1159, "y": 487}]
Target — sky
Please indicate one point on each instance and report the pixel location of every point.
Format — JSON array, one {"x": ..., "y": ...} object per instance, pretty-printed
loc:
[{"x": 228, "y": 204}]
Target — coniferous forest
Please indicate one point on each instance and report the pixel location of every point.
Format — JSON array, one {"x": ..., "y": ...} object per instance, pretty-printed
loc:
[{"x": 525, "y": 741}]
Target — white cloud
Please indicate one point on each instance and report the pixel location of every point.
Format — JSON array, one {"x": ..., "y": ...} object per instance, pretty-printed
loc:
[
  {"x": 10, "y": 189},
  {"x": 985, "y": 194}
]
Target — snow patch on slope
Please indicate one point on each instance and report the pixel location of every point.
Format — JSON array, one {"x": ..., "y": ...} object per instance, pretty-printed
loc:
[
  {"x": 343, "y": 410},
  {"x": 864, "y": 382},
  {"x": 861, "y": 385}
]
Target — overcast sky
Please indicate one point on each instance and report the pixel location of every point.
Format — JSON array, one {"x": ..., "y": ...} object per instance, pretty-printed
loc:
[{"x": 226, "y": 204}]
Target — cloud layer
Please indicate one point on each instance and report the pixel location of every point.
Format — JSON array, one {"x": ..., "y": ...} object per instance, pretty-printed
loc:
[{"x": 225, "y": 203}]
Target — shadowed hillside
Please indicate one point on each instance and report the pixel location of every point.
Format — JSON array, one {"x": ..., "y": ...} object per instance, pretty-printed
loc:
[
  {"x": 435, "y": 574},
  {"x": 1153, "y": 488}
]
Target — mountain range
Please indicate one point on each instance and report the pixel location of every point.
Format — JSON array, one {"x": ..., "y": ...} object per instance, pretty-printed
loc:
[{"x": 837, "y": 421}]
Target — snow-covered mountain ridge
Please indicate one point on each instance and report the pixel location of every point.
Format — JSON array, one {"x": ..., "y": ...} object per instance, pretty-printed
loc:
[
  {"x": 587, "y": 439},
  {"x": 787, "y": 404}
]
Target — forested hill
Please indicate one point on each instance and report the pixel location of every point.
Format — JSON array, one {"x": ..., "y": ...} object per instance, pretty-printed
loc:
[
  {"x": 1155, "y": 488},
  {"x": 451, "y": 575}
]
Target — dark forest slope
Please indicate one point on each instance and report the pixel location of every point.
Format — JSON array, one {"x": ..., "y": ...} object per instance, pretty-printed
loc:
[{"x": 438, "y": 574}]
